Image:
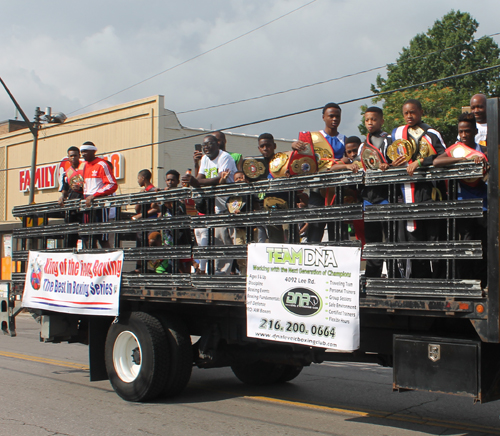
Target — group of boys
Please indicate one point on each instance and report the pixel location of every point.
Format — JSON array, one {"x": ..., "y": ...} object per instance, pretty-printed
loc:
[
  {"x": 166, "y": 236},
  {"x": 92, "y": 178},
  {"x": 428, "y": 149},
  {"x": 216, "y": 166}
]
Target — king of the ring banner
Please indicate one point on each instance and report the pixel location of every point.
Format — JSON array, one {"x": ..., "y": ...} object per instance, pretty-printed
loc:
[
  {"x": 86, "y": 284},
  {"x": 304, "y": 294}
]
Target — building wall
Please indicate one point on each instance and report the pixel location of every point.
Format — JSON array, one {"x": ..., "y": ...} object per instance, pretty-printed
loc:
[
  {"x": 143, "y": 131},
  {"x": 115, "y": 129},
  {"x": 146, "y": 134}
]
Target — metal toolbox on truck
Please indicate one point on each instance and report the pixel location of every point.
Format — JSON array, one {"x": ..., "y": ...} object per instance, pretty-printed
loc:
[{"x": 453, "y": 365}]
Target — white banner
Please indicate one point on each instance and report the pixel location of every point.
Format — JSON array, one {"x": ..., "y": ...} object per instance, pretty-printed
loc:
[
  {"x": 304, "y": 294},
  {"x": 86, "y": 284}
]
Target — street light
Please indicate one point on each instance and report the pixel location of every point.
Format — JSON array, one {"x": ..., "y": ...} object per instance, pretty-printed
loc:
[
  {"x": 34, "y": 127},
  {"x": 48, "y": 118}
]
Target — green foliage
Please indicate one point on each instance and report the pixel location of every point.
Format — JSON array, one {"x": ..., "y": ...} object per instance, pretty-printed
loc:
[{"x": 448, "y": 48}]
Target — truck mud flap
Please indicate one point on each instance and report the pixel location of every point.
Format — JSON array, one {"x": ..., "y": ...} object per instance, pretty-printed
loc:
[
  {"x": 456, "y": 366},
  {"x": 98, "y": 329},
  {"x": 4, "y": 309}
]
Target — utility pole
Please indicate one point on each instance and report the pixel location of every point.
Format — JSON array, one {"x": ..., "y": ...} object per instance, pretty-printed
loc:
[{"x": 34, "y": 127}]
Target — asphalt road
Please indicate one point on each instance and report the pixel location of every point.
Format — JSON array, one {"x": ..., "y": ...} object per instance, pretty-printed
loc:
[{"x": 45, "y": 390}]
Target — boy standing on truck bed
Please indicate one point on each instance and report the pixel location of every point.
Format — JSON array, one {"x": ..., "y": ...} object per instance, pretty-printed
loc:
[
  {"x": 98, "y": 181},
  {"x": 144, "y": 181},
  {"x": 373, "y": 155},
  {"x": 328, "y": 143},
  {"x": 473, "y": 228},
  {"x": 274, "y": 232},
  {"x": 214, "y": 162},
  {"x": 423, "y": 144},
  {"x": 72, "y": 188}
]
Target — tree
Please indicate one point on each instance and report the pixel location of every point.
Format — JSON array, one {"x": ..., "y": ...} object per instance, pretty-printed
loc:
[{"x": 448, "y": 48}]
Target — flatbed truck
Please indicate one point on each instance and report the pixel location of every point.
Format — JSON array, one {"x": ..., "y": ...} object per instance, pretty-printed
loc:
[{"x": 438, "y": 334}]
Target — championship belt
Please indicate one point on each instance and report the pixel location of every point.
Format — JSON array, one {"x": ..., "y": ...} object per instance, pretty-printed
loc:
[
  {"x": 424, "y": 149},
  {"x": 304, "y": 161},
  {"x": 401, "y": 147},
  {"x": 371, "y": 157},
  {"x": 302, "y": 165},
  {"x": 75, "y": 178},
  {"x": 274, "y": 203},
  {"x": 461, "y": 150},
  {"x": 254, "y": 168},
  {"x": 323, "y": 152},
  {"x": 235, "y": 204},
  {"x": 76, "y": 183},
  {"x": 278, "y": 165}
]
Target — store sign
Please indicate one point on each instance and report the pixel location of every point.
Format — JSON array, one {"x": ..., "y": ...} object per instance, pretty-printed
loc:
[
  {"x": 45, "y": 178},
  {"x": 117, "y": 160}
]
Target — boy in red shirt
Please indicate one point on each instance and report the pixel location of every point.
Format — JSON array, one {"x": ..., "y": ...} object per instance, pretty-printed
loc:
[{"x": 144, "y": 181}]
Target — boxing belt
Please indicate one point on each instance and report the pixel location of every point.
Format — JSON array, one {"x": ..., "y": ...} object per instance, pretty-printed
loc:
[
  {"x": 75, "y": 178},
  {"x": 459, "y": 149},
  {"x": 278, "y": 166},
  {"x": 304, "y": 161},
  {"x": 235, "y": 203},
  {"x": 405, "y": 145},
  {"x": 401, "y": 147},
  {"x": 323, "y": 152},
  {"x": 274, "y": 203},
  {"x": 254, "y": 168},
  {"x": 425, "y": 149},
  {"x": 371, "y": 157}
]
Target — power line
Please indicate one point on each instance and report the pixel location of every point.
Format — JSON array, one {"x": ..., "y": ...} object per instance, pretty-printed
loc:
[
  {"x": 197, "y": 56},
  {"x": 265, "y": 120},
  {"x": 423, "y": 56},
  {"x": 298, "y": 88}
]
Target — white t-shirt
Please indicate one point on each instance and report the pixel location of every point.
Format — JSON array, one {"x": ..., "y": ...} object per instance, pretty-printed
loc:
[
  {"x": 224, "y": 161},
  {"x": 210, "y": 169},
  {"x": 482, "y": 131}
]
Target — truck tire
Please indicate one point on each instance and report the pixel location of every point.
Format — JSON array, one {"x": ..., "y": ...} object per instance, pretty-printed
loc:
[
  {"x": 258, "y": 373},
  {"x": 136, "y": 354},
  {"x": 290, "y": 372},
  {"x": 180, "y": 354}
]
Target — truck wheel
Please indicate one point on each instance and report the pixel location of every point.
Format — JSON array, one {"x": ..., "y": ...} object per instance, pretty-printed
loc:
[
  {"x": 136, "y": 354},
  {"x": 290, "y": 372},
  {"x": 180, "y": 355},
  {"x": 258, "y": 373}
]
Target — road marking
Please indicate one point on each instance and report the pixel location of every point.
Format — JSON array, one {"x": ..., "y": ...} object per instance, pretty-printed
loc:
[
  {"x": 45, "y": 360},
  {"x": 383, "y": 415},
  {"x": 371, "y": 413}
]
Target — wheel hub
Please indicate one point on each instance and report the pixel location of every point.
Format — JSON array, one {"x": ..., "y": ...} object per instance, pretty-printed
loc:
[
  {"x": 127, "y": 355},
  {"x": 136, "y": 356}
]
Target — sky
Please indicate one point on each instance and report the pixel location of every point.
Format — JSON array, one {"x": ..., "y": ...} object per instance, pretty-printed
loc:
[{"x": 70, "y": 55}]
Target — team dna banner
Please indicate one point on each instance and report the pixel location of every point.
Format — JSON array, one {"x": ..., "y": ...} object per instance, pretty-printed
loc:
[
  {"x": 304, "y": 294},
  {"x": 85, "y": 284}
]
